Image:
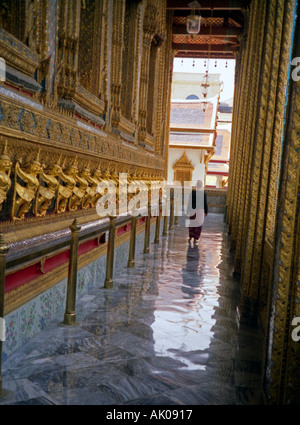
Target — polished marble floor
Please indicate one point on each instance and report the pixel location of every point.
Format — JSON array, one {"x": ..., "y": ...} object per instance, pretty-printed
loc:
[{"x": 166, "y": 334}]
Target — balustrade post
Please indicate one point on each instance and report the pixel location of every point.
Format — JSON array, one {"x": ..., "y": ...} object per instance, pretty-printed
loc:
[
  {"x": 108, "y": 283},
  {"x": 70, "y": 312},
  {"x": 3, "y": 250},
  {"x": 132, "y": 241},
  {"x": 147, "y": 230},
  {"x": 172, "y": 209},
  {"x": 166, "y": 210},
  {"x": 156, "y": 239},
  {"x": 165, "y": 225},
  {"x": 176, "y": 209}
]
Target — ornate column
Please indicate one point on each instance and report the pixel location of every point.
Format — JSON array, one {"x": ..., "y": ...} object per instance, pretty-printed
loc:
[
  {"x": 259, "y": 144},
  {"x": 248, "y": 131},
  {"x": 265, "y": 175},
  {"x": 139, "y": 47},
  {"x": 240, "y": 94},
  {"x": 116, "y": 55},
  {"x": 149, "y": 27},
  {"x": 168, "y": 118},
  {"x": 233, "y": 145},
  {"x": 282, "y": 385},
  {"x": 162, "y": 128},
  {"x": 105, "y": 62},
  {"x": 240, "y": 125},
  {"x": 67, "y": 61}
]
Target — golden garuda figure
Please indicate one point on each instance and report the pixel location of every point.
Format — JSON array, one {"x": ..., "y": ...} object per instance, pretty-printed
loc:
[
  {"x": 134, "y": 184},
  {"x": 115, "y": 179},
  {"x": 46, "y": 194},
  {"x": 107, "y": 178},
  {"x": 82, "y": 190},
  {"x": 123, "y": 186},
  {"x": 65, "y": 190},
  {"x": 24, "y": 195},
  {"x": 90, "y": 181},
  {"x": 5, "y": 170},
  {"x": 94, "y": 179}
]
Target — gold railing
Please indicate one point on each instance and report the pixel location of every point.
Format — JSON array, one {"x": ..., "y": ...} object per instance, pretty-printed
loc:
[{"x": 83, "y": 234}]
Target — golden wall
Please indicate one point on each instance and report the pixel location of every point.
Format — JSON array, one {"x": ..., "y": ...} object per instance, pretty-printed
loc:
[
  {"x": 262, "y": 200},
  {"x": 83, "y": 99}
]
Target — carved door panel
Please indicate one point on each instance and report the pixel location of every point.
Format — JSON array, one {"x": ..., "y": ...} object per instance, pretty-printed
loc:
[
  {"x": 183, "y": 176},
  {"x": 183, "y": 169}
]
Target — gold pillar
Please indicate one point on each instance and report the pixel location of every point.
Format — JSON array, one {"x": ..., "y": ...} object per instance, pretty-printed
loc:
[
  {"x": 176, "y": 210},
  {"x": 251, "y": 73},
  {"x": 157, "y": 228},
  {"x": 171, "y": 222},
  {"x": 147, "y": 230},
  {"x": 132, "y": 242},
  {"x": 249, "y": 133},
  {"x": 283, "y": 355},
  {"x": 67, "y": 75},
  {"x": 259, "y": 223},
  {"x": 108, "y": 283},
  {"x": 236, "y": 121},
  {"x": 117, "y": 53},
  {"x": 165, "y": 226},
  {"x": 70, "y": 312}
]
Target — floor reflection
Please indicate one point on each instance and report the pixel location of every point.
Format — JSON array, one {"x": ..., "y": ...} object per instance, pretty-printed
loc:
[{"x": 166, "y": 334}]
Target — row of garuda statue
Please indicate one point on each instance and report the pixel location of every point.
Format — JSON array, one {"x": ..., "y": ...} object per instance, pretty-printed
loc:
[{"x": 38, "y": 190}]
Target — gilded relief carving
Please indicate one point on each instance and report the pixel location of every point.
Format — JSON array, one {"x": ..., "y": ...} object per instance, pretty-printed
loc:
[
  {"x": 284, "y": 356},
  {"x": 93, "y": 196},
  {"x": 59, "y": 186},
  {"x": 82, "y": 189},
  {"x": 67, "y": 198},
  {"x": 269, "y": 277},
  {"x": 48, "y": 192},
  {"x": 25, "y": 192},
  {"x": 5, "y": 171}
]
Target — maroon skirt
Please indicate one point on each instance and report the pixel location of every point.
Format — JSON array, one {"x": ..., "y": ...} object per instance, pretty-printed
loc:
[{"x": 194, "y": 232}]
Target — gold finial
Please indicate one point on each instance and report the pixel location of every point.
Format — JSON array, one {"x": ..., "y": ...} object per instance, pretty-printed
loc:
[
  {"x": 75, "y": 162},
  {"x": 74, "y": 226},
  {"x": 87, "y": 167},
  {"x": 37, "y": 159},
  {"x": 4, "y": 151},
  {"x": 59, "y": 159}
]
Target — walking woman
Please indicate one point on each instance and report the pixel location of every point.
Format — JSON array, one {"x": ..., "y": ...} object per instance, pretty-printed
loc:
[{"x": 197, "y": 208}]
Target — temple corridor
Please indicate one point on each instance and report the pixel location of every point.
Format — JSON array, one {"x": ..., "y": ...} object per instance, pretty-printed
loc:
[{"x": 167, "y": 334}]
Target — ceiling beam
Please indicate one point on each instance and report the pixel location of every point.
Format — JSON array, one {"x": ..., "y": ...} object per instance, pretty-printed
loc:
[
  {"x": 205, "y": 48},
  {"x": 203, "y": 55},
  {"x": 207, "y": 13},
  {"x": 207, "y": 31},
  {"x": 193, "y": 129},
  {"x": 208, "y": 4}
]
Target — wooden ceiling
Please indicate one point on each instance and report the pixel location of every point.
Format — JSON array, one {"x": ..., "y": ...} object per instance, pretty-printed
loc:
[{"x": 222, "y": 23}]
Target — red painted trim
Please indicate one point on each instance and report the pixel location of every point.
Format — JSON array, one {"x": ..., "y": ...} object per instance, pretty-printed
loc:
[
  {"x": 11, "y": 86},
  {"x": 121, "y": 230},
  {"x": 81, "y": 118},
  {"x": 91, "y": 123},
  {"x": 21, "y": 277}
]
